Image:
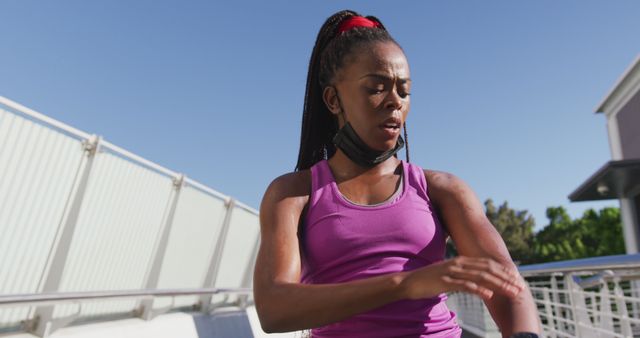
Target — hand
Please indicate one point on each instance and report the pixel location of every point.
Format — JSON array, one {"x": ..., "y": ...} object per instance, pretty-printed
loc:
[{"x": 479, "y": 276}]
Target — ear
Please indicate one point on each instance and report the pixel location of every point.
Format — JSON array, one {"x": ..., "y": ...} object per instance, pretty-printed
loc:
[{"x": 331, "y": 100}]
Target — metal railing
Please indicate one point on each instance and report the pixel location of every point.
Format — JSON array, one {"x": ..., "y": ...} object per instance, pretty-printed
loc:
[
  {"x": 79, "y": 297},
  {"x": 591, "y": 298},
  {"x": 79, "y": 215}
]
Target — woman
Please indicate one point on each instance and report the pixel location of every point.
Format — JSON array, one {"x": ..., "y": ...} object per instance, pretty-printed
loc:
[{"x": 353, "y": 241}]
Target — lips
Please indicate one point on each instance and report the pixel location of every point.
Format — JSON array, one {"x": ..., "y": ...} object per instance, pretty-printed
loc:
[
  {"x": 391, "y": 123},
  {"x": 391, "y": 127}
]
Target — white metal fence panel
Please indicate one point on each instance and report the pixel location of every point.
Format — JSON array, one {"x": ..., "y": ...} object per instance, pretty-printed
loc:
[
  {"x": 80, "y": 214},
  {"x": 116, "y": 232},
  {"x": 240, "y": 250},
  {"x": 192, "y": 242},
  {"x": 595, "y": 297},
  {"x": 473, "y": 315},
  {"x": 38, "y": 166},
  {"x": 605, "y": 307}
]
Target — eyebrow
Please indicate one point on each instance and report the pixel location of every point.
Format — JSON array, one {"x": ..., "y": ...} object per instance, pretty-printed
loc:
[{"x": 387, "y": 78}]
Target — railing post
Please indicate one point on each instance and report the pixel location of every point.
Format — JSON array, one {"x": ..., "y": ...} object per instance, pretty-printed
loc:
[
  {"x": 548, "y": 314},
  {"x": 625, "y": 325},
  {"x": 146, "y": 305},
  {"x": 52, "y": 274},
  {"x": 216, "y": 258},
  {"x": 635, "y": 292},
  {"x": 606, "y": 322},
  {"x": 578, "y": 307},
  {"x": 555, "y": 301},
  {"x": 594, "y": 309},
  {"x": 570, "y": 285}
]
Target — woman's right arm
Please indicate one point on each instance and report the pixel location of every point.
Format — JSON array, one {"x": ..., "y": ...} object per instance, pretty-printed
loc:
[{"x": 284, "y": 304}]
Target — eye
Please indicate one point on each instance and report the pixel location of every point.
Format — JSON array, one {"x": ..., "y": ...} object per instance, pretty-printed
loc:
[
  {"x": 403, "y": 91},
  {"x": 375, "y": 90}
]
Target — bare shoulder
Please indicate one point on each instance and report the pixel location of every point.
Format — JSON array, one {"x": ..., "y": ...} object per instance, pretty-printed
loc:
[
  {"x": 445, "y": 185},
  {"x": 289, "y": 191},
  {"x": 293, "y": 184}
]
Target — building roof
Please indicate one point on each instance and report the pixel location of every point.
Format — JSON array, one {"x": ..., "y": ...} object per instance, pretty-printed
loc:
[
  {"x": 627, "y": 85},
  {"x": 616, "y": 179}
]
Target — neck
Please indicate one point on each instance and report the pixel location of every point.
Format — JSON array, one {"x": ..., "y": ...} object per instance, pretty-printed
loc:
[{"x": 344, "y": 168}]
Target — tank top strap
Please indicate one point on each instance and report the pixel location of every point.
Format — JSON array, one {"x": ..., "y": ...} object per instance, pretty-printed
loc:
[
  {"x": 419, "y": 183},
  {"x": 417, "y": 180},
  {"x": 320, "y": 180}
]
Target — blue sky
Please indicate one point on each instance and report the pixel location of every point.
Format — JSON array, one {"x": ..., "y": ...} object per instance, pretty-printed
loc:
[{"x": 503, "y": 92}]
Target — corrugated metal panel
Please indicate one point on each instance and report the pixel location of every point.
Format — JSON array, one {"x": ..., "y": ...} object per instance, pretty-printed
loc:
[
  {"x": 38, "y": 166},
  {"x": 195, "y": 230},
  {"x": 116, "y": 234},
  {"x": 121, "y": 217},
  {"x": 239, "y": 250}
]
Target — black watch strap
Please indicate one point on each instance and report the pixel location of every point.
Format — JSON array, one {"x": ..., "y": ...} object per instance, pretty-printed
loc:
[{"x": 524, "y": 335}]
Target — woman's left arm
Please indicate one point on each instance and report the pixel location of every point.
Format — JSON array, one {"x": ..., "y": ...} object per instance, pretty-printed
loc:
[{"x": 474, "y": 235}]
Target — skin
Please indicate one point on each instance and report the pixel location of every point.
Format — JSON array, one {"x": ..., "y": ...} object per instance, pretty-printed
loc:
[{"x": 373, "y": 85}]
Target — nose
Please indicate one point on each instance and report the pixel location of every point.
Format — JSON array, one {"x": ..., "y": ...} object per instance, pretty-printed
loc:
[{"x": 394, "y": 101}]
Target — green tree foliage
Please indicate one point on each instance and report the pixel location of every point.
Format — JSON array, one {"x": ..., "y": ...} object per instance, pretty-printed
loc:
[
  {"x": 594, "y": 234},
  {"x": 515, "y": 227},
  {"x": 560, "y": 239}
]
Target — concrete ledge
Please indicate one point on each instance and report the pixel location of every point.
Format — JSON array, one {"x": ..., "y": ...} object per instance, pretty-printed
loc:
[{"x": 226, "y": 323}]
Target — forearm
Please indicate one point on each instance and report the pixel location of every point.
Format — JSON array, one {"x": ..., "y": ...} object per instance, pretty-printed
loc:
[
  {"x": 295, "y": 306},
  {"x": 513, "y": 315}
]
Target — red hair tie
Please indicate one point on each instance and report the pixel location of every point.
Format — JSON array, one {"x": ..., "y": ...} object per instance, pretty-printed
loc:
[{"x": 356, "y": 21}]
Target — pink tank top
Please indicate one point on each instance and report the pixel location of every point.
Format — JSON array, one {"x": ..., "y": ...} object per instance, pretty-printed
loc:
[{"x": 343, "y": 241}]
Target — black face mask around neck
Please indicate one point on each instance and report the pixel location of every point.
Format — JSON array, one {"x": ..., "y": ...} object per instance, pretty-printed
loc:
[{"x": 359, "y": 152}]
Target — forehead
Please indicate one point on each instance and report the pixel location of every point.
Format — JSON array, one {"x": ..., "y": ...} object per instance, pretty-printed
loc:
[{"x": 376, "y": 58}]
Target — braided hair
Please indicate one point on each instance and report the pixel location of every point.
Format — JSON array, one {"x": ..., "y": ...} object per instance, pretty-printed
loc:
[{"x": 328, "y": 56}]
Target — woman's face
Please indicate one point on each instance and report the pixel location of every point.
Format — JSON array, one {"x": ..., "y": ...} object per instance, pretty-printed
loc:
[{"x": 373, "y": 90}]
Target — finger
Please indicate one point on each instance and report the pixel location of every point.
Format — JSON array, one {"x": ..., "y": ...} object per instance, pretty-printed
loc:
[
  {"x": 496, "y": 268},
  {"x": 487, "y": 279},
  {"x": 467, "y": 286},
  {"x": 510, "y": 270},
  {"x": 491, "y": 266}
]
